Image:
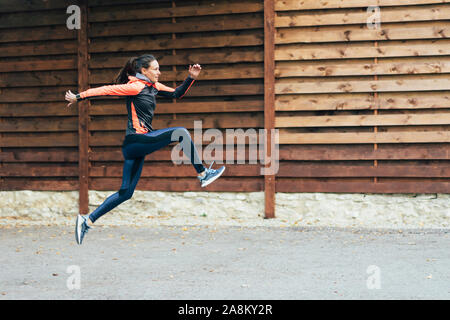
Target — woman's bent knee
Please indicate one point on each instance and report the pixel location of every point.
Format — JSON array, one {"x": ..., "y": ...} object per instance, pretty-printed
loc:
[{"x": 125, "y": 194}]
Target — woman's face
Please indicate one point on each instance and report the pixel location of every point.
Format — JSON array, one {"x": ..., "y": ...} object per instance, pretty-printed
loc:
[{"x": 152, "y": 72}]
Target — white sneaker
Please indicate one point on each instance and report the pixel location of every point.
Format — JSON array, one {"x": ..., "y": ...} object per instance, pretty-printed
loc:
[
  {"x": 81, "y": 228},
  {"x": 211, "y": 175}
]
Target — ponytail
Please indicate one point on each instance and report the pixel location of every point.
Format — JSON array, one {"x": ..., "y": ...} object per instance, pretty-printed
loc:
[
  {"x": 133, "y": 66},
  {"x": 127, "y": 70}
]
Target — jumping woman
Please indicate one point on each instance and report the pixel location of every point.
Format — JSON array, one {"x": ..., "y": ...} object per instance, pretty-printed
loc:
[{"x": 138, "y": 82}]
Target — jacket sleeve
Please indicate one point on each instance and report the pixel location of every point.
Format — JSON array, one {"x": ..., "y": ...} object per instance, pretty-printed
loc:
[
  {"x": 178, "y": 92},
  {"x": 128, "y": 89}
]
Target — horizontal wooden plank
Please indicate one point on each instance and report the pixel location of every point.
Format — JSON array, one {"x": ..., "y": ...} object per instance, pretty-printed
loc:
[
  {"x": 362, "y": 120},
  {"x": 182, "y": 25},
  {"x": 403, "y": 129},
  {"x": 368, "y": 129},
  {"x": 315, "y": 102},
  {"x": 228, "y": 136},
  {"x": 39, "y": 155},
  {"x": 235, "y": 89},
  {"x": 39, "y": 124},
  {"x": 156, "y": 169},
  {"x": 38, "y": 184},
  {"x": 365, "y": 152},
  {"x": 339, "y": 186},
  {"x": 205, "y": 23},
  {"x": 182, "y": 184},
  {"x": 38, "y": 79},
  {"x": 409, "y": 48},
  {"x": 242, "y": 71},
  {"x": 432, "y": 100},
  {"x": 244, "y": 38},
  {"x": 396, "y": 66},
  {"x": 97, "y": 3},
  {"x": 225, "y": 55},
  {"x": 232, "y": 185},
  {"x": 241, "y": 154},
  {"x": 168, "y": 169},
  {"x": 364, "y": 137},
  {"x": 118, "y": 13},
  {"x": 293, "y": 85},
  {"x": 241, "y": 120},
  {"x": 182, "y": 106},
  {"x": 37, "y": 109},
  {"x": 288, "y": 169},
  {"x": 394, "y": 31},
  {"x": 42, "y": 48},
  {"x": 358, "y": 16},
  {"x": 32, "y": 19},
  {"x": 33, "y": 94},
  {"x": 33, "y": 5},
  {"x": 39, "y": 170},
  {"x": 39, "y": 139},
  {"x": 361, "y": 101},
  {"x": 69, "y": 63},
  {"x": 57, "y": 32},
  {"x": 284, "y": 5},
  {"x": 433, "y": 151}
]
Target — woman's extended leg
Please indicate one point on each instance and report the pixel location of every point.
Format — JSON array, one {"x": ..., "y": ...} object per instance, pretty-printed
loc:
[
  {"x": 134, "y": 159},
  {"x": 155, "y": 140},
  {"x": 132, "y": 170}
]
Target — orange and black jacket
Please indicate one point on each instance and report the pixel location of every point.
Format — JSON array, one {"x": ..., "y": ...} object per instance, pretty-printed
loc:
[{"x": 141, "y": 95}]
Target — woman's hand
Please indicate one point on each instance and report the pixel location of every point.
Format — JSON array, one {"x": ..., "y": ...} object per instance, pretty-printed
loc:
[
  {"x": 71, "y": 97},
  {"x": 194, "y": 71}
]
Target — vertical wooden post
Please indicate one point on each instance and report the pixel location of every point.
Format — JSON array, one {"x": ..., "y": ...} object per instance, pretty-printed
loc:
[
  {"x": 375, "y": 112},
  {"x": 83, "y": 116},
  {"x": 269, "y": 100},
  {"x": 174, "y": 67}
]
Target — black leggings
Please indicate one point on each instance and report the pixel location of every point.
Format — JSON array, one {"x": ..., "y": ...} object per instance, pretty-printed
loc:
[{"x": 134, "y": 154}]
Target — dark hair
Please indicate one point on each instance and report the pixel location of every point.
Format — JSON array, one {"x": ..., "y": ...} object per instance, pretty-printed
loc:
[{"x": 133, "y": 66}]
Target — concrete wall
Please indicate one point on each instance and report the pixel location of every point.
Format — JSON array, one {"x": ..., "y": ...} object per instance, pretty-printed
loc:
[{"x": 228, "y": 208}]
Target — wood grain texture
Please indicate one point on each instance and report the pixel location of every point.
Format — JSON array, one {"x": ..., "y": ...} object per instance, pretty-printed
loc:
[
  {"x": 344, "y": 97},
  {"x": 388, "y": 31},
  {"x": 363, "y": 120},
  {"x": 343, "y": 186},
  {"x": 363, "y": 101},
  {"x": 358, "y": 16},
  {"x": 384, "y": 66},
  {"x": 284, "y": 5},
  {"x": 364, "y": 137},
  {"x": 83, "y": 113},
  {"x": 327, "y": 171},
  {"x": 224, "y": 184},
  {"x": 269, "y": 101},
  {"x": 407, "y": 48},
  {"x": 144, "y": 12},
  {"x": 416, "y": 151}
]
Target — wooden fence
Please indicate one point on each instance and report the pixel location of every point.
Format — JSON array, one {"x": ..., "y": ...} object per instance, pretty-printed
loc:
[
  {"x": 358, "y": 109},
  {"x": 361, "y": 106},
  {"x": 38, "y": 63}
]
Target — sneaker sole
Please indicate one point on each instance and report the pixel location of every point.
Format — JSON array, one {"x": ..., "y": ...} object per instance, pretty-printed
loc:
[{"x": 213, "y": 179}]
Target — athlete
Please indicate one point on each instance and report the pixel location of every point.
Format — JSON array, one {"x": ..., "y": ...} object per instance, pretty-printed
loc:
[{"x": 138, "y": 82}]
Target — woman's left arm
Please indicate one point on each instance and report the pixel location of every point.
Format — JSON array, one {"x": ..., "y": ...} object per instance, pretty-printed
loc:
[{"x": 181, "y": 90}]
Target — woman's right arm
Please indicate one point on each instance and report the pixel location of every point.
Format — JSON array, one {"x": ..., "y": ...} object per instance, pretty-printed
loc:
[{"x": 128, "y": 89}]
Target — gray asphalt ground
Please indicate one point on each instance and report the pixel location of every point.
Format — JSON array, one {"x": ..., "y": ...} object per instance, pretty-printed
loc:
[{"x": 203, "y": 263}]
